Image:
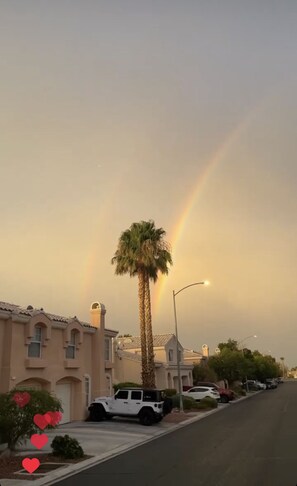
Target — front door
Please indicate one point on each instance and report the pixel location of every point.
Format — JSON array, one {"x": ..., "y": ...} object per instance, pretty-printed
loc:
[{"x": 63, "y": 393}]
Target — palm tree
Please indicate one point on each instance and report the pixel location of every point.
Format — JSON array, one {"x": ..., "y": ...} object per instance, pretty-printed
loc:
[
  {"x": 142, "y": 251},
  {"x": 160, "y": 252}
]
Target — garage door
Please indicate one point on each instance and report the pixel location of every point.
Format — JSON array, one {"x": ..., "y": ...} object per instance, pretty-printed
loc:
[{"x": 63, "y": 393}]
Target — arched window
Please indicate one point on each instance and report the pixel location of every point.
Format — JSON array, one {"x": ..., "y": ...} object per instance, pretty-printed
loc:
[
  {"x": 34, "y": 348},
  {"x": 71, "y": 348}
]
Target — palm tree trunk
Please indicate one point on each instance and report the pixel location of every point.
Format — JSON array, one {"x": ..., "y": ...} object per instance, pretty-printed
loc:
[
  {"x": 141, "y": 295},
  {"x": 149, "y": 334}
]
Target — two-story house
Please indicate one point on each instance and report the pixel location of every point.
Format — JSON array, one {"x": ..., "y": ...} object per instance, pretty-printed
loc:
[
  {"x": 128, "y": 361},
  {"x": 68, "y": 357}
]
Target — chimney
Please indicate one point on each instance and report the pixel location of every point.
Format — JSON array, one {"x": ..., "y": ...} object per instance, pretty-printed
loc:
[
  {"x": 98, "y": 312},
  {"x": 205, "y": 350}
]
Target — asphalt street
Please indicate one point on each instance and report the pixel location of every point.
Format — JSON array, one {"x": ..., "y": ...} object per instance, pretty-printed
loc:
[{"x": 251, "y": 443}]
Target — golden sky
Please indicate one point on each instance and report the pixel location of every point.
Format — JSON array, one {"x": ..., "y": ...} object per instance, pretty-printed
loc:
[{"x": 182, "y": 112}]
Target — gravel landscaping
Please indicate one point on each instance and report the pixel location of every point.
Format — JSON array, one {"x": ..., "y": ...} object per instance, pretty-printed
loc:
[{"x": 10, "y": 465}]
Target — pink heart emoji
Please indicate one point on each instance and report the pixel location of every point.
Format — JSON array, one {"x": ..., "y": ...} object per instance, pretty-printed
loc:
[
  {"x": 42, "y": 421},
  {"x": 39, "y": 440},
  {"x": 30, "y": 464},
  {"x": 21, "y": 398},
  {"x": 55, "y": 417}
]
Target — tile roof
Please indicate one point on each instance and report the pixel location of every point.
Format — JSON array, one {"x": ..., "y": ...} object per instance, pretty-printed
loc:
[
  {"x": 30, "y": 311},
  {"x": 133, "y": 342},
  {"x": 132, "y": 356},
  {"x": 190, "y": 353}
]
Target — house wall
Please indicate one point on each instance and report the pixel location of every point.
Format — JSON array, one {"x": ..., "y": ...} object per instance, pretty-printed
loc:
[
  {"x": 160, "y": 354},
  {"x": 52, "y": 369},
  {"x": 127, "y": 369}
]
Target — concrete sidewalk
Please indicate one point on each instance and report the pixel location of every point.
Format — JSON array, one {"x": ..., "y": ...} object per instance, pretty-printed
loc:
[{"x": 104, "y": 440}]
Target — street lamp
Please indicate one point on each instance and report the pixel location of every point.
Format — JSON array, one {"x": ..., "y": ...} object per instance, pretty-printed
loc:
[
  {"x": 238, "y": 344},
  {"x": 176, "y": 334},
  {"x": 248, "y": 337}
]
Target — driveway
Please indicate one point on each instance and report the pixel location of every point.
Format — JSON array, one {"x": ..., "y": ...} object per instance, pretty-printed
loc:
[{"x": 109, "y": 437}]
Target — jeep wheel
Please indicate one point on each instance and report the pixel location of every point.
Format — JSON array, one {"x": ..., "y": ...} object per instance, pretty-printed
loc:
[
  {"x": 146, "y": 417},
  {"x": 97, "y": 414}
]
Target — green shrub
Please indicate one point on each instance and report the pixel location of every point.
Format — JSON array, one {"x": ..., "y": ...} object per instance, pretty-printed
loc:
[
  {"x": 238, "y": 390},
  {"x": 188, "y": 402},
  {"x": 16, "y": 423},
  {"x": 169, "y": 392},
  {"x": 65, "y": 446},
  {"x": 126, "y": 384},
  {"x": 207, "y": 402}
]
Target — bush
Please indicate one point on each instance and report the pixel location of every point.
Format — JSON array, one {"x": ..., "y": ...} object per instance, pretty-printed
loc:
[
  {"x": 126, "y": 384},
  {"x": 16, "y": 423},
  {"x": 169, "y": 392},
  {"x": 207, "y": 402},
  {"x": 238, "y": 390},
  {"x": 67, "y": 447},
  {"x": 188, "y": 402}
]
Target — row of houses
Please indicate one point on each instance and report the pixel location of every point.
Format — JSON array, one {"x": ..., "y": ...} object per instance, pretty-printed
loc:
[{"x": 78, "y": 361}]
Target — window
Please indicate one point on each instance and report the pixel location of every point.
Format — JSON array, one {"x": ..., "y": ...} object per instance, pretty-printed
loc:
[
  {"x": 34, "y": 349},
  {"x": 170, "y": 354},
  {"x": 150, "y": 395},
  {"x": 87, "y": 390},
  {"x": 122, "y": 395},
  {"x": 70, "y": 350},
  {"x": 136, "y": 395},
  {"x": 107, "y": 349}
]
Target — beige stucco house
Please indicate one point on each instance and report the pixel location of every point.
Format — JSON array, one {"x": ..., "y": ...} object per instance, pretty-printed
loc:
[
  {"x": 127, "y": 361},
  {"x": 194, "y": 357},
  {"x": 68, "y": 357}
]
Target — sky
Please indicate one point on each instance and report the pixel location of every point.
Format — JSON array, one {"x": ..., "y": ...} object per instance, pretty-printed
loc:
[{"x": 183, "y": 112}]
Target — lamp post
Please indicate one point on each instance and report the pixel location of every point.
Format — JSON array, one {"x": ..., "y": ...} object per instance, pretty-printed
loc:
[
  {"x": 238, "y": 344},
  {"x": 283, "y": 366},
  {"x": 176, "y": 335}
]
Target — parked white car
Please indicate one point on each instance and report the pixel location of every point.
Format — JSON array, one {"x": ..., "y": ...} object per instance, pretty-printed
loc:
[
  {"x": 261, "y": 386},
  {"x": 199, "y": 392}
]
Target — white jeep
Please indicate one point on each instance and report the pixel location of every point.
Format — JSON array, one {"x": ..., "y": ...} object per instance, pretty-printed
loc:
[{"x": 145, "y": 404}]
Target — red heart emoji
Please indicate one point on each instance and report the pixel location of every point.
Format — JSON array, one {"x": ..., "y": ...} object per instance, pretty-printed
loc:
[
  {"x": 42, "y": 421},
  {"x": 21, "y": 398},
  {"x": 55, "y": 417},
  {"x": 30, "y": 464},
  {"x": 39, "y": 440}
]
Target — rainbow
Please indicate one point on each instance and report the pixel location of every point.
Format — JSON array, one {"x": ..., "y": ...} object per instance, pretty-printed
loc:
[{"x": 175, "y": 234}]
